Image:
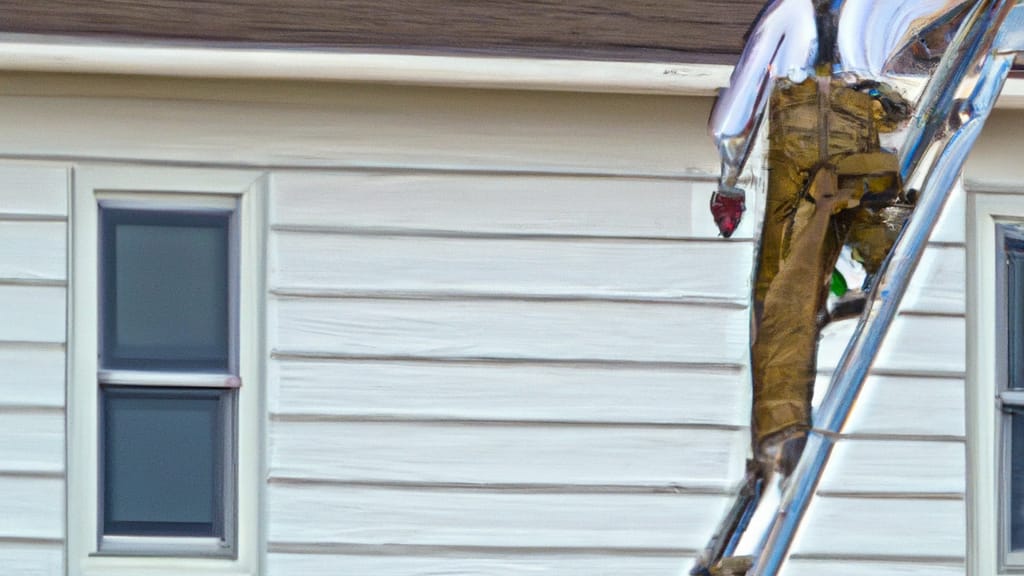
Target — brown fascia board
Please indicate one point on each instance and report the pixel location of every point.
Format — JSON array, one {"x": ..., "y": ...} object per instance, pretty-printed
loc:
[
  {"x": 697, "y": 31},
  {"x": 674, "y": 31}
]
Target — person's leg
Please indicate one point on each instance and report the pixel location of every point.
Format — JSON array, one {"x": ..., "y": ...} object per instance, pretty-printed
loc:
[{"x": 785, "y": 347}]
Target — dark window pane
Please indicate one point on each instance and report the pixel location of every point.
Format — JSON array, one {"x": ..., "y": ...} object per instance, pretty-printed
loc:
[
  {"x": 165, "y": 290},
  {"x": 1015, "y": 312},
  {"x": 1016, "y": 511},
  {"x": 162, "y": 461}
]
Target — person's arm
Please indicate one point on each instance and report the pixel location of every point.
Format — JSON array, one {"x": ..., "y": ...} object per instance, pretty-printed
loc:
[{"x": 783, "y": 42}]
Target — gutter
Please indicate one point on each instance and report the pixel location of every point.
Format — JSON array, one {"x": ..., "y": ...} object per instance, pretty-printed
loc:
[
  {"x": 35, "y": 53},
  {"x": 78, "y": 55}
]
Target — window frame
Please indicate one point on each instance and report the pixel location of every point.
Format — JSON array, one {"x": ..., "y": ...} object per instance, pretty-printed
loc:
[
  {"x": 112, "y": 212},
  {"x": 1007, "y": 397},
  {"x": 243, "y": 194},
  {"x": 992, "y": 217}
]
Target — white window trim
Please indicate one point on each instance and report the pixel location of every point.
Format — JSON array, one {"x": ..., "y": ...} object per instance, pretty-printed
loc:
[{"x": 171, "y": 187}]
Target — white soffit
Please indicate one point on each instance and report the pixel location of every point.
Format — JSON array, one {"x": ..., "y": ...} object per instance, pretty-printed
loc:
[{"x": 1013, "y": 94}]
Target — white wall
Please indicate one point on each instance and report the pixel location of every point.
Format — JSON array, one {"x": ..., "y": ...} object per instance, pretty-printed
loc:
[{"x": 502, "y": 336}]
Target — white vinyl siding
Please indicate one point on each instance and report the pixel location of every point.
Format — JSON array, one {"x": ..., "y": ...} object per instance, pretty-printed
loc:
[
  {"x": 520, "y": 363},
  {"x": 33, "y": 294},
  {"x": 170, "y": 120}
]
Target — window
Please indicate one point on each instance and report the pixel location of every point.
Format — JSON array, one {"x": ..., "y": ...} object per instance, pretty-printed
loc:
[
  {"x": 163, "y": 450},
  {"x": 1010, "y": 432},
  {"x": 166, "y": 461},
  {"x": 166, "y": 287},
  {"x": 995, "y": 384},
  {"x": 167, "y": 379}
]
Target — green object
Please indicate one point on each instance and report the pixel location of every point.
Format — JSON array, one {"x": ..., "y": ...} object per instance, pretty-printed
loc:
[{"x": 839, "y": 286}]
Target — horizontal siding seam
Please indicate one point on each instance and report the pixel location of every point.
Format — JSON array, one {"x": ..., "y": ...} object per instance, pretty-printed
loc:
[
  {"x": 940, "y": 244},
  {"x": 509, "y": 488},
  {"x": 474, "y": 235},
  {"x": 299, "y": 355},
  {"x": 33, "y": 343},
  {"x": 31, "y": 409},
  {"x": 31, "y": 541},
  {"x": 332, "y": 166},
  {"x": 896, "y": 437},
  {"x": 974, "y": 187},
  {"x": 39, "y": 474},
  {"x": 681, "y": 177},
  {"x": 32, "y": 217},
  {"x": 322, "y": 548},
  {"x": 902, "y": 495},
  {"x": 919, "y": 312},
  {"x": 324, "y": 418},
  {"x": 455, "y": 296},
  {"x": 41, "y": 282},
  {"x": 880, "y": 558},
  {"x": 299, "y": 228},
  {"x": 907, "y": 373}
]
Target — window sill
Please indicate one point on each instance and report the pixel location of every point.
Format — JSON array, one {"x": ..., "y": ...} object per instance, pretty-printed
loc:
[
  {"x": 133, "y": 546},
  {"x": 97, "y": 565}
]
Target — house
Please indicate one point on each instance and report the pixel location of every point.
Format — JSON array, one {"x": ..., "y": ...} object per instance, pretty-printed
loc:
[{"x": 439, "y": 294}]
